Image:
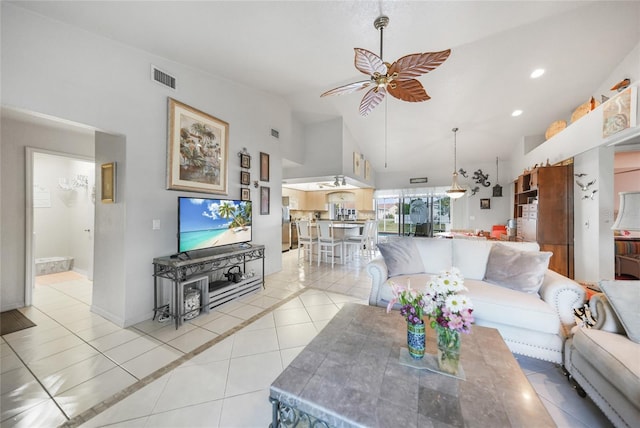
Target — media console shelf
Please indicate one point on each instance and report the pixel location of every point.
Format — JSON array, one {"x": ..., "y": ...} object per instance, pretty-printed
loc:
[{"x": 196, "y": 272}]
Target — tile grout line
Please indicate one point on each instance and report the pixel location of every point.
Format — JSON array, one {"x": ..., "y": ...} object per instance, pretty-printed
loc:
[{"x": 109, "y": 402}]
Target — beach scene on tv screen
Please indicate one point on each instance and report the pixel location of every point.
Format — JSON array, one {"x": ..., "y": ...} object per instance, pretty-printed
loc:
[{"x": 208, "y": 223}]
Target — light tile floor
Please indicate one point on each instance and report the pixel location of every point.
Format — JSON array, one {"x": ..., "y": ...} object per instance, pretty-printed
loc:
[{"x": 73, "y": 359}]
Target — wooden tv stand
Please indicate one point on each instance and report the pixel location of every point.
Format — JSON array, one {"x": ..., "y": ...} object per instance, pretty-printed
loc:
[{"x": 195, "y": 271}]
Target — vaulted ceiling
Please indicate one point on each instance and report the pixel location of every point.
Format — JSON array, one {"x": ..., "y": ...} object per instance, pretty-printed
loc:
[{"x": 299, "y": 49}]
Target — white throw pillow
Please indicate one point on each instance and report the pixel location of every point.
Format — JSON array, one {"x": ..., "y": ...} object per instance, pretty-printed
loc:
[{"x": 518, "y": 270}]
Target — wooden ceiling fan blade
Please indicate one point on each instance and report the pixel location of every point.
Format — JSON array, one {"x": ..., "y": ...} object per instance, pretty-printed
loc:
[
  {"x": 409, "y": 90},
  {"x": 347, "y": 89},
  {"x": 415, "y": 65},
  {"x": 371, "y": 99},
  {"x": 369, "y": 63}
]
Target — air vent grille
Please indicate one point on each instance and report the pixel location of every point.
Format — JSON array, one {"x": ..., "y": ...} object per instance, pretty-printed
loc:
[
  {"x": 275, "y": 133},
  {"x": 162, "y": 77}
]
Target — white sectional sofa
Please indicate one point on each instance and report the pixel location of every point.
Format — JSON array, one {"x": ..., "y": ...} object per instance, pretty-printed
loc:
[
  {"x": 605, "y": 360},
  {"x": 532, "y": 324}
]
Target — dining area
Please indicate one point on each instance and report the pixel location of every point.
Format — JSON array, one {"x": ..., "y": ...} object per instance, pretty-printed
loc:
[{"x": 334, "y": 242}]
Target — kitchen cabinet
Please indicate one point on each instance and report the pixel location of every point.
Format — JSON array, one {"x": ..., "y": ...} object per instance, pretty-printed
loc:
[
  {"x": 297, "y": 198},
  {"x": 364, "y": 201},
  {"x": 316, "y": 201},
  {"x": 543, "y": 208}
]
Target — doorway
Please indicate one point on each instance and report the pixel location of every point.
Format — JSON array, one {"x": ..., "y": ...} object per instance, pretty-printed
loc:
[{"x": 60, "y": 215}]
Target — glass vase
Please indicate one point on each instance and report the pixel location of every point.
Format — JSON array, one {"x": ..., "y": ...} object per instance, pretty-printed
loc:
[
  {"x": 415, "y": 340},
  {"x": 448, "y": 349}
]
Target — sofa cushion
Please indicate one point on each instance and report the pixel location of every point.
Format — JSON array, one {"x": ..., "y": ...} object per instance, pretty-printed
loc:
[
  {"x": 470, "y": 256},
  {"x": 614, "y": 356},
  {"x": 519, "y": 270},
  {"x": 435, "y": 253},
  {"x": 624, "y": 297},
  {"x": 504, "y": 306},
  {"x": 401, "y": 257}
]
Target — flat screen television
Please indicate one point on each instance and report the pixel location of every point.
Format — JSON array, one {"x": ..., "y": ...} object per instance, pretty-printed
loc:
[{"x": 209, "y": 223}]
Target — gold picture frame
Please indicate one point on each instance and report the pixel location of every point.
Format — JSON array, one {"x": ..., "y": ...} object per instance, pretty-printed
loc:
[
  {"x": 108, "y": 183},
  {"x": 198, "y": 146}
]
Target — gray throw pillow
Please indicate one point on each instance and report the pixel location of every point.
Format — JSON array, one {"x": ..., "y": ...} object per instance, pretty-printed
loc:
[
  {"x": 624, "y": 297},
  {"x": 401, "y": 257},
  {"x": 515, "y": 269}
]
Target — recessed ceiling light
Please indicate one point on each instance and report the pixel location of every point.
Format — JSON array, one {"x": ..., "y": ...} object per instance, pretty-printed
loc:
[
  {"x": 537, "y": 73},
  {"x": 516, "y": 113}
]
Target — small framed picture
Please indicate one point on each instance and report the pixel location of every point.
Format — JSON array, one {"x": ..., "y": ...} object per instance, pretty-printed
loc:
[
  {"x": 485, "y": 204},
  {"x": 245, "y": 194},
  {"x": 264, "y": 200},
  {"x": 245, "y": 161},
  {"x": 264, "y": 166},
  {"x": 245, "y": 178},
  {"x": 108, "y": 188}
]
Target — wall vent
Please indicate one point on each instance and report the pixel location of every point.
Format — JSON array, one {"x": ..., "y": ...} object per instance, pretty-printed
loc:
[
  {"x": 162, "y": 77},
  {"x": 275, "y": 133}
]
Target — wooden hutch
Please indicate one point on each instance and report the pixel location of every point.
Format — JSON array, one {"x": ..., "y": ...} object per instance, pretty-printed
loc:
[{"x": 543, "y": 209}]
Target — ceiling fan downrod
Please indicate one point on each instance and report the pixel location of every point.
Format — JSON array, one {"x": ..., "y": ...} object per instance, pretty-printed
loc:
[{"x": 381, "y": 23}]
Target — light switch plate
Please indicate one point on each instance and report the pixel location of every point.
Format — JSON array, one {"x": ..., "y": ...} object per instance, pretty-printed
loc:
[{"x": 156, "y": 224}]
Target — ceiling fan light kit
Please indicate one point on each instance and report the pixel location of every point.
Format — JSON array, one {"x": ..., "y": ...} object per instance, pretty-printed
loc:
[{"x": 398, "y": 79}]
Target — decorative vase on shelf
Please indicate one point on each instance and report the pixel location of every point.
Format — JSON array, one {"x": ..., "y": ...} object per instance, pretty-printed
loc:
[
  {"x": 448, "y": 349},
  {"x": 415, "y": 340}
]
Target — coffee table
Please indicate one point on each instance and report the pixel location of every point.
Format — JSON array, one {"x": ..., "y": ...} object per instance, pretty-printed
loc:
[{"x": 349, "y": 375}]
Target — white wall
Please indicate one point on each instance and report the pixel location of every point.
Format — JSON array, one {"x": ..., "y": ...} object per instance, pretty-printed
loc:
[
  {"x": 60, "y": 228},
  {"x": 58, "y": 70},
  {"x": 322, "y": 152},
  {"x": 16, "y": 136},
  {"x": 593, "y": 251}
]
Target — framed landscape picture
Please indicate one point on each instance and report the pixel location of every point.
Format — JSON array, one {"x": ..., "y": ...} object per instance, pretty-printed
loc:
[{"x": 197, "y": 150}]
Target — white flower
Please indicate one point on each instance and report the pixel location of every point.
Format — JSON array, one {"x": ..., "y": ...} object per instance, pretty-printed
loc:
[{"x": 456, "y": 303}]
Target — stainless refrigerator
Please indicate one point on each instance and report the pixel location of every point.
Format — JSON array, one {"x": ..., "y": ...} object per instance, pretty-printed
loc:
[{"x": 286, "y": 225}]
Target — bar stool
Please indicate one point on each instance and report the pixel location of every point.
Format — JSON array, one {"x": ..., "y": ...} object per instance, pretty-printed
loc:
[
  {"x": 358, "y": 241},
  {"x": 326, "y": 242},
  {"x": 305, "y": 239}
]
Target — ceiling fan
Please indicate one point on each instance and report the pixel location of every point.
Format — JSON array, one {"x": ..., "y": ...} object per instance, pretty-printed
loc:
[{"x": 398, "y": 78}]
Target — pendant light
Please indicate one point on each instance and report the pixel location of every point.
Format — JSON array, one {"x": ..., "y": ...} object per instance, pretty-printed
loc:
[
  {"x": 456, "y": 191},
  {"x": 497, "y": 189}
]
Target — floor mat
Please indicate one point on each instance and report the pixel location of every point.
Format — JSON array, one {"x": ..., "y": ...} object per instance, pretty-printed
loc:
[{"x": 12, "y": 321}]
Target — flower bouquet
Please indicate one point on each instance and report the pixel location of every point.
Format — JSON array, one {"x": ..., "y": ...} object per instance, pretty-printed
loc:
[
  {"x": 450, "y": 313},
  {"x": 413, "y": 302}
]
